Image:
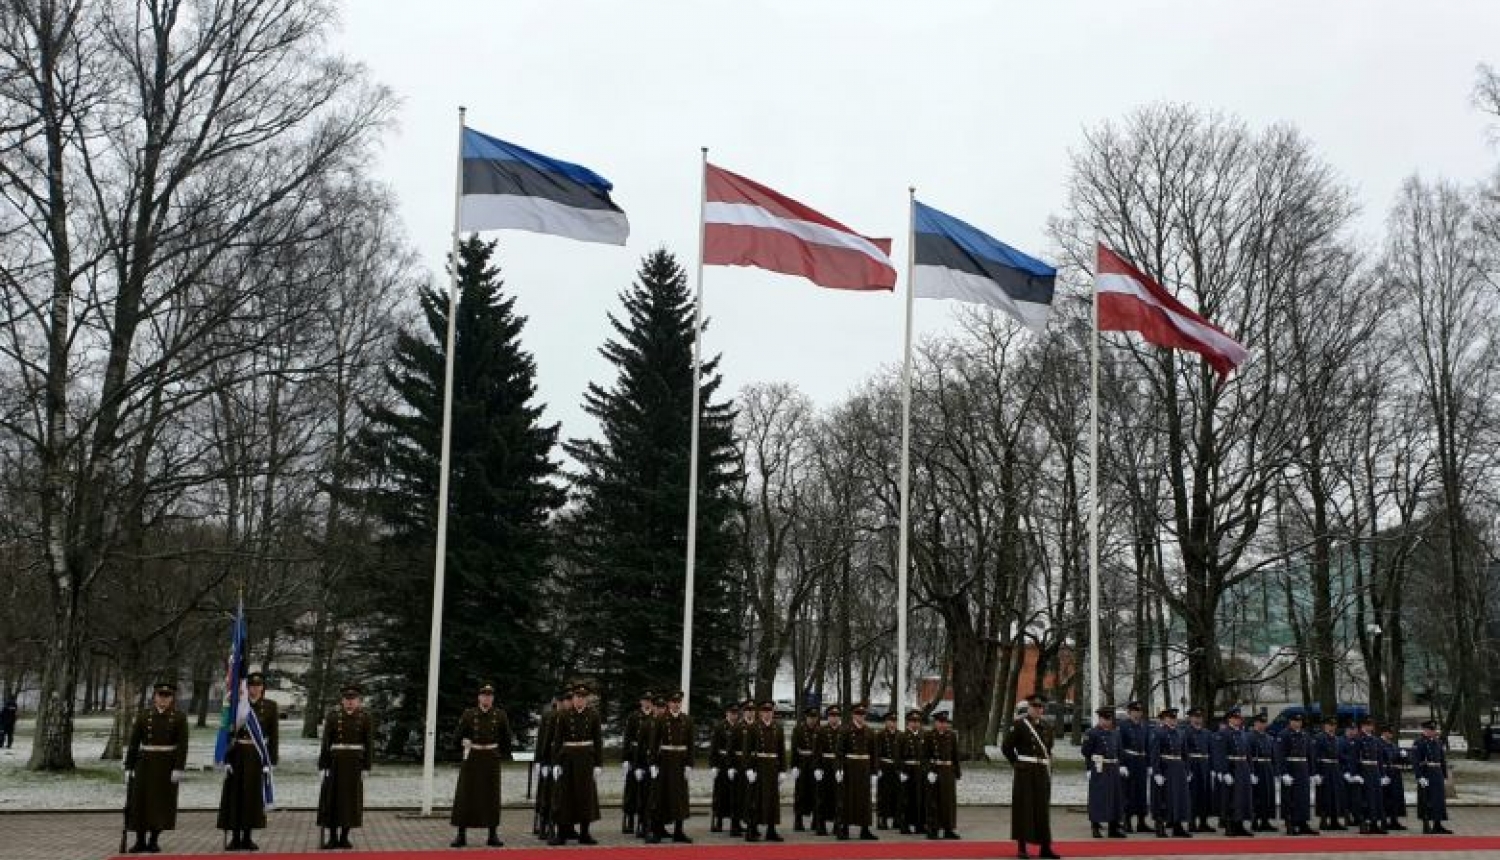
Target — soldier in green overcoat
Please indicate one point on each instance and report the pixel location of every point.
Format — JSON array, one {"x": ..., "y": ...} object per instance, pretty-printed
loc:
[
  {"x": 484, "y": 737},
  {"x": 671, "y": 762},
  {"x": 888, "y": 786},
  {"x": 541, "y": 816},
  {"x": 242, "y": 806},
  {"x": 577, "y": 763},
  {"x": 911, "y": 813},
  {"x": 155, "y": 760},
  {"x": 1028, "y": 747},
  {"x": 826, "y": 752},
  {"x": 855, "y": 776},
  {"x": 721, "y": 758},
  {"x": 765, "y": 750},
  {"x": 633, "y": 762},
  {"x": 940, "y": 754},
  {"x": 345, "y": 757},
  {"x": 804, "y": 762}
]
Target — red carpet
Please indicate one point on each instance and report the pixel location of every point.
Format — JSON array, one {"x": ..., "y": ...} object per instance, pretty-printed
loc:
[{"x": 935, "y": 850}]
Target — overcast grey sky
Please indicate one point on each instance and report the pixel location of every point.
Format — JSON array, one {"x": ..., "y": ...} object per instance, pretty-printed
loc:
[{"x": 844, "y": 104}]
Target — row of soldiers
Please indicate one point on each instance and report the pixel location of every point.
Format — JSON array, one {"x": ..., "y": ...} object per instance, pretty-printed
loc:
[{"x": 1180, "y": 775}]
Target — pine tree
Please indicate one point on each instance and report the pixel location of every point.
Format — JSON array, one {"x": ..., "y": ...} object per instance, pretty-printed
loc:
[
  {"x": 502, "y": 492},
  {"x": 628, "y": 533}
]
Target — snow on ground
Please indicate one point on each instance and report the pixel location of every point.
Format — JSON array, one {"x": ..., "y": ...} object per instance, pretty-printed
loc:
[{"x": 97, "y": 785}]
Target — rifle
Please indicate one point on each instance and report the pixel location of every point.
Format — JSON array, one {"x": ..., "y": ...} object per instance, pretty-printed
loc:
[{"x": 125, "y": 825}]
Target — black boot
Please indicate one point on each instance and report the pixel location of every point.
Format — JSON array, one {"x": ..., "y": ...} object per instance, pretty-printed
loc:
[
  {"x": 460, "y": 840},
  {"x": 583, "y": 835},
  {"x": 246, "y": 843},
  {"x": 1117, "y": 831},
  {"x": 820, "y": 827},
  {"x": 627, "y": 825},
  {"x": 234, "y": 841},
  {"x": 331, "y": 842},
  {"x": 1047, "y": 853},
  {"x": 1140, "y": 824},
  {"x": 735, "y": 830},
  {"x": 1180, "y": 832},
  {"x": 932, "y": 833},
  {"x": 139, "y": 846},
  {"x": 772, "y": 835},
  {"x": 1097, "y": 833},
  {"x": 752, "y": 833},
  {"x": 1437, "y": 827},
  {"x": 797, "y": 825},
  {"x": 1161, "y": 829},
  {"x": 152, "y": 847},
  {"x": 1020, "y": 851},
  {"x": 494, "y": 838},
  {"x": 950, "y": 834},
  {"x": 865, "y": 834},
  {"x": 1395, "y": 824},
  {"x": 559, "y": 835},
  {"x": 344, "y": 838},
  {"x": 678, "y": 835}
]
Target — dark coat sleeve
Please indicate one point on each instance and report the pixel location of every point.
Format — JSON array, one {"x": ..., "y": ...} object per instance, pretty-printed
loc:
[{"x": 180, "y": 731}]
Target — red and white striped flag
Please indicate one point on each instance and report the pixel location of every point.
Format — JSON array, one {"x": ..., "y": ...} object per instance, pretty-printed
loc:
[
  {"x": 748, "y": 224},
  {"x": 1131, "y": 301}
]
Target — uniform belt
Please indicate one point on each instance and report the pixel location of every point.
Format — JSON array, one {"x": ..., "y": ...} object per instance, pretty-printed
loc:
[
  {"x": 887, "y": 761},
  {"x": 245, "y": 741},
  {"x": 578, "y": 743},
  {"x": 1295, "y": 758},
  {"x": 1260, "y": 759},
  {"x": 950, "y": 764},
  {"x": 722, "y": 752},
  {"x": 1133, "y": 752},
  {"x": 1197, "y": 755},
  {"x": 1109, "y": 761},
  {"x": 857, "y": 756},
  {"x": 1236, "y": 757},
  {"x": 912, "y": 763},
  {"x": 483, "y": 746},
  {"x": 804, "y": 752},
  {"x": 1431, "y": 764},
  {"x": 671, "y": 748},
  {"x": 1369, "y": 763},
  {"x": 347, "y": 747},
  {"x": 1029, "y": 759},
  {"x": 1329, "y": 760},
  {"x": 1170, "y": 757},
  {"x": 767, "y": 755},
  {"x": 827, "y": 755},
  {"x": 158, "y": 748}
]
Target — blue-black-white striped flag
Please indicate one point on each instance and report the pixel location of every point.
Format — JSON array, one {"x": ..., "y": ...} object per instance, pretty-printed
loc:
[
  {"x": 953, "y": 260},
  {"x": 507, "y": 187},
  {"x": 236, "y": 711}
]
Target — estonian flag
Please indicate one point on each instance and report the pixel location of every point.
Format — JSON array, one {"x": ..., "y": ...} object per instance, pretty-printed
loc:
[
  {"x": 955, "y": 261},
  {"x": 507, "y": 187}
]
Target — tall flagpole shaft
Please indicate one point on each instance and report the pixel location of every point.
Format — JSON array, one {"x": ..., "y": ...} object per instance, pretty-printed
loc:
[
  {"x": 435, "y": 644},
  {"x": 697, "y": 418},
  {"x": 898, "y": 695},
  {"x": 1094, "y": 682}
]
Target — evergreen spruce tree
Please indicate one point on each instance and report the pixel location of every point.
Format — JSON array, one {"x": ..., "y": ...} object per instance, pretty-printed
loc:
[
  {"x": 628, "y": 533},
  {"x": 502, "y": 492}
]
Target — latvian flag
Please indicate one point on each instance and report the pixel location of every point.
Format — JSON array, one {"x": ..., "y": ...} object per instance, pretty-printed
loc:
[
  {"x": 1130, "y": 301},
  {"x": 508, "y": 187},
  {"x": 748, "y": 224},
  {"x": 952, "y": 260}
]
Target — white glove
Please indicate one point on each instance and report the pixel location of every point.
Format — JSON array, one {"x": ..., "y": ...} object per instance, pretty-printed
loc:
[
  {"x": 625, "y": 768},
  {"x": 796, "y": 773},
  {"x": 543, "y": 772},
  {"x": 1096, "y": 759},
  {"x": 1228, "y": 779},
  {"x": 1385, "y": 780},
  {"x": 687, "y": 771},
  {"x": 598, "y": 772},
  {"x": 129, "y": 775},
  {"x": 713, "y": 773},
  {"x": 1360, "y": 780},
  {"x": 1254, "y": 780},
  {"x": 1124, "y": 772},
  {"x": 228, "y": 769},
  {"x": 655, "y": 771},
  {"x": 874, "y": 781},
  {"x": 265, "y": 768},
  {"x": 818, "y": 774},
  {"x": 750, "y": 775},
  {"x": 781, "y": 777},
  {"x": 1160, "y": 780},
  {"x": 1286, "y": 779},
  {"x": 1422, "y": 781},
  {"x": 640, "y": 774},
  {"x": 1317, "y": 779},
  {"x": 904, "y": 777},
  {"x": 838, "y": 776},
  {"x": 732, "y": 772},
  {"x": 324, "y": 773},
  {"x": 176, "y": 776},
  {"x": 557, "y": 771},
  {"x": 466, "y": 752},
  {"x": 932, "y": 777}
]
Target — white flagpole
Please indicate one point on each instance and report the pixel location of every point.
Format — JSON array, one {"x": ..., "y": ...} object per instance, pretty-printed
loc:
[
  {"x": 898, "y": 695},
  {"x": 435, "y": 644},
  {"x": 692, "y": 517},
  {"x": 1094, "y": 703}
]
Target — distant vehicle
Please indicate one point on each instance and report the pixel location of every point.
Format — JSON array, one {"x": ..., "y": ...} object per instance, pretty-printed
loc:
[{"x": 1313, "y": 715}]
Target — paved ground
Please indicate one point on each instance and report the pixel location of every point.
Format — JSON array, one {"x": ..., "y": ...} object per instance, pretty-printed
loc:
[{"x": 92, "y": 836}]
